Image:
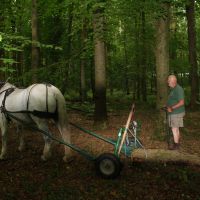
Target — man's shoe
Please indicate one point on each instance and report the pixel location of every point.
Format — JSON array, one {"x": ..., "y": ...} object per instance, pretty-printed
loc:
[{"x": 175, "y": 146}]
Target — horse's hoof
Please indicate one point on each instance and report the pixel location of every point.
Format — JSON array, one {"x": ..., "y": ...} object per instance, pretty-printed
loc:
[
  {"x": 2, "y": 157},
  {"x": 20, "y": 149},
  {"x": 43, "y": 158}
]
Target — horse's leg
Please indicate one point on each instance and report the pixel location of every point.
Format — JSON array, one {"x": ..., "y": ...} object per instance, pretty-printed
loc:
[
  {"x": 47, "y": 147},
  {"x": 43, "y": 125},
  {"x": 21, "y": 138},
  {"x": 48, "y": 141},
  {"x": 65, "y": 133},
  {"x": 3, "y": 124}
]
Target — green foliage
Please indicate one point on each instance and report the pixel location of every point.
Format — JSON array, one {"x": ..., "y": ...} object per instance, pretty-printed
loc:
[
  {"x": 7, "y": 61},
  {"x": 129, "y": 29}
]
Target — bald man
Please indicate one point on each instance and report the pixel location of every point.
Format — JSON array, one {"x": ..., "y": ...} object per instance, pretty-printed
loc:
[{"x": 176, "y": 109}]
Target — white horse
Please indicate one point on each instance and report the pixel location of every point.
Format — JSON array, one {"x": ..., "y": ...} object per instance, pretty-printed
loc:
[{"x": 37, "y": 99}]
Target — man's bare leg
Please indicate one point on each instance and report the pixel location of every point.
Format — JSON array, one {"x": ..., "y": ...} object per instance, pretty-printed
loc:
[{"x": 176, "y": 136}]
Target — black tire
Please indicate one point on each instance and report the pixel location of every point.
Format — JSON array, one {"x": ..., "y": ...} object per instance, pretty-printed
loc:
[{"x": 108, "y": 166}]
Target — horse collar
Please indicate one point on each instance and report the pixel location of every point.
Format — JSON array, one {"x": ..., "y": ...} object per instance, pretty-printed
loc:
[{"x": 7, "y": 93}]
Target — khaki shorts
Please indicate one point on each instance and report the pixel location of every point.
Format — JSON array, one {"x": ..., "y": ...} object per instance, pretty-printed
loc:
[{"x": 176, "y": 120}]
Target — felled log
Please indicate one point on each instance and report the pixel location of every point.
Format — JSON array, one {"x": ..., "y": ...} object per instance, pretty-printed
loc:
[{"x": 163, "y": 155}]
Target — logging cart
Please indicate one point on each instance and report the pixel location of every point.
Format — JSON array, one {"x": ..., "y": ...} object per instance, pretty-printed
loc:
[{"x": 108, "y": 165}]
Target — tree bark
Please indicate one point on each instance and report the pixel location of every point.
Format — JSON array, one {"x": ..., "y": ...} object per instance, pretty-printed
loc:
[
  {"x": 2, "y": 77},
  {"x": 92, "y": 78},
  {"x": 35, "y": 49},
  {"x": 66, "y": 69},
  {"x": 82, "y": 82},
  {"x": 162, "y": 67},
  {"x": 190, "y": 14},
  {"x": 137, "y": 61},
  {"x": 164, "y": 155},
  {"x": 100, "y": 115},
  {"x": 143, "y": 60},
  {"x": 126, "y": 64},
  {"x": 162, "y": 56},
  {"x": 82, "y": 67}
]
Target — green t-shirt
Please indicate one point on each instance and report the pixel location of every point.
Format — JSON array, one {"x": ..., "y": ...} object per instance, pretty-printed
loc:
[{"x": 176, "y": 94}]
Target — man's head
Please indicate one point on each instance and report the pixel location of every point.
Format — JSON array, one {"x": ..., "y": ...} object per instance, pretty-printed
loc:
[{"x": 172, "y": 81}]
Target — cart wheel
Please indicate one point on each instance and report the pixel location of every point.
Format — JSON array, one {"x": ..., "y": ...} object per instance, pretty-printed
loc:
[{"x": 108, "y": 166}]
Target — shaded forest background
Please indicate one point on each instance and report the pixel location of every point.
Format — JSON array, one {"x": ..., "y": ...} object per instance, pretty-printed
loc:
[{"x": 97, "y": 50}]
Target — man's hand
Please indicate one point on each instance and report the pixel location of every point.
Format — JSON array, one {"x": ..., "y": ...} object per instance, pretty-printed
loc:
[
  {"x": 180, "y": 103},
  {"x": 169, "y": 109}
]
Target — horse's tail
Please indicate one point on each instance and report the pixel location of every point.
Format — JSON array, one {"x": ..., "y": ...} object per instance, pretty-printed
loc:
[
  {"x": 61, "y": 107},
  {"x": 62, "y": 122}
]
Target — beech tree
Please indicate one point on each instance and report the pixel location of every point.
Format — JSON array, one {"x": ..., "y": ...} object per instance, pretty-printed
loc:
[
  {"x": 162, "y": 63},
  {"x": 83, "y": 94},
  {"x": 100, "y": 114},
  {"x": 162, "y": 56},
  {"x": 35, "y": 61},
  {"x": 190, "y": 13}
]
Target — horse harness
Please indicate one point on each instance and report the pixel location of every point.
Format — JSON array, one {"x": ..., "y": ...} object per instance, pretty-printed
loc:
[{"x": 37, "y": 113}]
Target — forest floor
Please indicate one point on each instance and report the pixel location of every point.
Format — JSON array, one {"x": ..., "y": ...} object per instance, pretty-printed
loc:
[{"x": 24, "y": 176}]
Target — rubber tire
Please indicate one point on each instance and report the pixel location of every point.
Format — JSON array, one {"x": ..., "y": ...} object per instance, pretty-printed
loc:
[{"x": 110, "y": 162}]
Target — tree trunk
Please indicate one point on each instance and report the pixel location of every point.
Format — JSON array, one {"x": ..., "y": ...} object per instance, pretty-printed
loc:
[
  {"x": 190, "y": 14},
  {"x": 162, "y": 67},
  {"x": 66, "y": 69},
  {"x": 126, "y": 64},
  {"x": 1, "y": 50},
  {"x": 92, "y": 78},
  {"x": 2, "y": 76},
  {"x": 35, "y": 49},
  {"x": 82, "y": 67},
  {"x": 138, "y": 85},
  {"x": 83, "y": 85},
  {"x": 137, "y": 61},
  {"x": 20, "y": 55},
  {"x": 164, "y": 155},
  {"x": 162, "y": 56},
  {"x": 143, "y": 60},
  {"x": 100, "y": 115}
]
